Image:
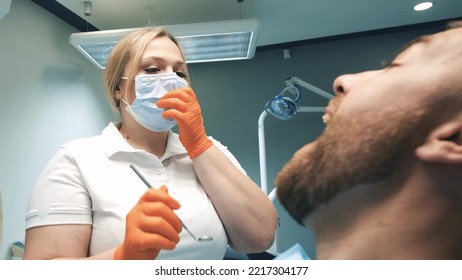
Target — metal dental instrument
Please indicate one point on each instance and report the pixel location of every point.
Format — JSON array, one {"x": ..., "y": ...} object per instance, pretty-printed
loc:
[{"x": 201, "y": 238}]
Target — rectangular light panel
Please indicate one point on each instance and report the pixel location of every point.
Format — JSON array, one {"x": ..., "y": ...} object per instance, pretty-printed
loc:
[{"x": 201, "y": 42}]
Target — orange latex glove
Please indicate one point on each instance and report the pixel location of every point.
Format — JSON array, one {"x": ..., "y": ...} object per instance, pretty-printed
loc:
[
  {"x": 183, "y": 107},
  {"x": 151, "y": 225}
]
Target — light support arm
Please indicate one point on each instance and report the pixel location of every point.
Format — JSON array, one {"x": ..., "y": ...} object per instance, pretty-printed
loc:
[
  {"x": 262, "y": 145},
  {"x": 292, "y": 81}
]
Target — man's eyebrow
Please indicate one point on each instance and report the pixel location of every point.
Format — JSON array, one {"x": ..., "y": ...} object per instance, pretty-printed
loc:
[{"x": 421, "y": 39}]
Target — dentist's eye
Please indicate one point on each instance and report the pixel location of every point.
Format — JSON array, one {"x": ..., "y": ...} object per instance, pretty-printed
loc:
[
  {"x": 181, "y": 74},
  {"x": 152, "y": 70}
]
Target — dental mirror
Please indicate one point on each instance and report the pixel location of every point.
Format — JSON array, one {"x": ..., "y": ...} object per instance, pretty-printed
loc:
[{"x": 200, "y": 238}]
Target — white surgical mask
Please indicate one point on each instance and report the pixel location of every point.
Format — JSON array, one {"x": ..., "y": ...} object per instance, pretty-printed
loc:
[{"x": 149, "y": 89}]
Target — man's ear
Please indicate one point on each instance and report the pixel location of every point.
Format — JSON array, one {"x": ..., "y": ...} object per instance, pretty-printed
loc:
[{"x": 444, "y": 144}]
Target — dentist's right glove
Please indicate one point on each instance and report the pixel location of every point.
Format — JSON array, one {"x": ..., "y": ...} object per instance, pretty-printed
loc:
[
  {"x": 151, "y": 226},
  {"x": 183, "y": 106}
]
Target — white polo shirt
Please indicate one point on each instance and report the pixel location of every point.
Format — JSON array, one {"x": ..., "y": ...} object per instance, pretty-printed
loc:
[{"x": 89, "y": 181}]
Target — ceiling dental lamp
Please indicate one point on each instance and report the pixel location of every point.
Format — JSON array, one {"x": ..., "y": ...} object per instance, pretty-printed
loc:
[{"x": 200, "y": 42}]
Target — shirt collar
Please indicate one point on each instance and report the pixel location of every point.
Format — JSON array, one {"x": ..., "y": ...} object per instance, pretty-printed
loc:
[
  {"x": 174, "y": 146},
  {"x": 113, "y": 142}
]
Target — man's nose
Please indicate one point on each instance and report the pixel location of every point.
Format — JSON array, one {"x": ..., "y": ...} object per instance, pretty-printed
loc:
[{"x": 345, "y": 83}]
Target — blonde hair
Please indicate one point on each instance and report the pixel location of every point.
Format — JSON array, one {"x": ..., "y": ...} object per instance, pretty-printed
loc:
[{"x": 126, "y": 55}]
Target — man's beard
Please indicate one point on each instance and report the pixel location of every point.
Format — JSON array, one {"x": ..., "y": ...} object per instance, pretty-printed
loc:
[{"x": 365, "y": 148}]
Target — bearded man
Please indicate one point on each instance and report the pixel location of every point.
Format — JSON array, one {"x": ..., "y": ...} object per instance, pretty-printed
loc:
[{"x": 384, "y": 180}]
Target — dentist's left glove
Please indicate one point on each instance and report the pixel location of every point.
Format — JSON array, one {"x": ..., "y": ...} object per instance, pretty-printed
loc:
[
  {"x": 150, "y": 227},
  {"x": 182, "y": 106}
]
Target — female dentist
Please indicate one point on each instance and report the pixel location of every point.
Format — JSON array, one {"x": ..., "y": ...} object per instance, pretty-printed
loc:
[{"x": 88, "y": 203}]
